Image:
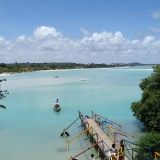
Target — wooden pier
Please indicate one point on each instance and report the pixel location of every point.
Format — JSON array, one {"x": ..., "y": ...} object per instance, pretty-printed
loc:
[
  {"x": 100, "y": 132},
  {"x": 102, "y": 136}
]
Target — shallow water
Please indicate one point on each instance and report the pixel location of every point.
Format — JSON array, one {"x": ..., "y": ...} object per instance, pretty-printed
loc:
[{"x": 30, "y": 129}]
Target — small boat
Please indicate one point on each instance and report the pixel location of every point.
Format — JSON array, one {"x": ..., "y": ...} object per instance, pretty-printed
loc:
[
  {"x": 57, "y": 107},
  {"x": 56, "y": 77},
  {"x": 83, "y": 79}
]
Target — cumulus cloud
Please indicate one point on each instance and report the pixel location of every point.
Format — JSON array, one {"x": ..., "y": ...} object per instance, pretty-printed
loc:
[
  {"x": 147, "y": 40},
  {"x": 48, "y": 45},
  {"x": 42, "y": 32},
  {"x": 155, "y": 14}
]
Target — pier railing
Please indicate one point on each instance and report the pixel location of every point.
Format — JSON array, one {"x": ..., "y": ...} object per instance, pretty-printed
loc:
[
  {"x": 115, "y": 133},
  {"x": 111, "y": 129},
  {"x": 156, "y": 156},
  {"x": 95, "y": 139},
  {"x": 132, "y": 153},
  {"x": 102, "y": 120}
]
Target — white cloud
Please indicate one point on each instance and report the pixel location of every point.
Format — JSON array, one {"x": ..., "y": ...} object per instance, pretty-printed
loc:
[
  {"x": 85, "y": 32},
  {"x": 155, "y": 14},
  {"x": 3, "y": 42},
  {"x": 148, "y": 40},
  {"x": 154, "y": 29},
  {"x": 43, "y": 31},
  {"x": 135, "y": 41},
  {"x": 117, "y": 39},
  {"x": 21, "y": 38},
  {"x": 48, "y": 45}
]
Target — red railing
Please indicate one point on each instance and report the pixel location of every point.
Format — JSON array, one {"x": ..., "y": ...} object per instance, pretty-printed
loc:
[{"x": 72, "y": 158}]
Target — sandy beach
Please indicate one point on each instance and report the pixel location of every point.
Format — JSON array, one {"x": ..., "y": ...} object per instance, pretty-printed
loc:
[{"x": 5, "y": 74}]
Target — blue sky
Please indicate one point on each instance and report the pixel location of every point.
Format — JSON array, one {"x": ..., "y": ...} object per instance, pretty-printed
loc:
[{"x": 81, "y": 31}]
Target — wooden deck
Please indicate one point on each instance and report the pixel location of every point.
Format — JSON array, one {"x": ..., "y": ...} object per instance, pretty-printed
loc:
[{"x": 101, "y": 134}]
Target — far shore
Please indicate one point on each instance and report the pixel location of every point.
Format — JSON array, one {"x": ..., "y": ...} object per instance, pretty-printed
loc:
[{"x": 9, "y": 73}]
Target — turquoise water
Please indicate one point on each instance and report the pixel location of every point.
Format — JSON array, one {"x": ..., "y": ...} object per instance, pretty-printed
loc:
[{"x": 30, "y": 129}]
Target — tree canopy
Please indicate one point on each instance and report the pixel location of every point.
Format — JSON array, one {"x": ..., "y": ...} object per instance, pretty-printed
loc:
[
  {"x": 30, "y": 67},
  {"x": 147, "y": 145},
  {"x": 2, "y": 94},
  {"x": 147, "y": 110}
]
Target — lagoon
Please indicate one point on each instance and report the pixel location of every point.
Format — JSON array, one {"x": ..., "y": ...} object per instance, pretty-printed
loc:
[{"x": 30, "y": 129}]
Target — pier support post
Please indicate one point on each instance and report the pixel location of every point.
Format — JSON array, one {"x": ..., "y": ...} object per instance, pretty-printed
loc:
[
  {"x": 67, "y": 145},
  {"x": 98, "y": 151}
]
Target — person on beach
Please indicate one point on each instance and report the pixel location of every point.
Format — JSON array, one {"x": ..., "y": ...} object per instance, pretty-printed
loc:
[
  {"x": 114, "y": 152},
  {"x": 121, "y": 151},
  {"x": 92, "y": 156}
]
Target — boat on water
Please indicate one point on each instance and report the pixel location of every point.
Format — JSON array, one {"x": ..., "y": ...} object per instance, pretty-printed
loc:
[
  {"x": 83, "y": 79},
  {"x": 57, "y": 107}
]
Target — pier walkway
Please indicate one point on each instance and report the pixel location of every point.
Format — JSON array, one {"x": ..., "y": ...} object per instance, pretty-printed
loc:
[{"x": 102, "y": 134}]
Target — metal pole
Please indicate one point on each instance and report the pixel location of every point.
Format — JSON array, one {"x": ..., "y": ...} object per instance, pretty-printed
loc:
[{"x": 71, "y": 123}]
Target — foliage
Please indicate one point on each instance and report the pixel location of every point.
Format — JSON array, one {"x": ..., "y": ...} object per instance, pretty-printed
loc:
[
  {"x": 147, "y": 110},
  {"x": 147, "y": 145},
  {"x": 2, "y": 94},
  {"x": 30, "y": 67}
]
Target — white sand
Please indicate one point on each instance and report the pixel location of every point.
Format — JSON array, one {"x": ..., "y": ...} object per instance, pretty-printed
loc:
[{"x": 5, "y": 74}]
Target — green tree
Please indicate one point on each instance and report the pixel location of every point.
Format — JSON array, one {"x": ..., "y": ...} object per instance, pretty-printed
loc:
[
  {"x": 147, "y": 110},
  {"x": 3, "y": 93},
  {"x": 147, "y": 145}
]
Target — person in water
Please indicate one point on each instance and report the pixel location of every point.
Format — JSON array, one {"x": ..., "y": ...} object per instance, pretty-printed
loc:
[{"x": 57, "y": 100}]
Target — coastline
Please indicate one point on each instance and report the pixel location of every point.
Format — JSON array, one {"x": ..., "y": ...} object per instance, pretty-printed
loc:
[
  {"x": 116, "y": 67},
  {"x": 6, "y": 74}
]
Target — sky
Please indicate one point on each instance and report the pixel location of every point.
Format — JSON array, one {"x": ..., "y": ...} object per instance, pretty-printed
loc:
[{"x": 80, "y": 31}]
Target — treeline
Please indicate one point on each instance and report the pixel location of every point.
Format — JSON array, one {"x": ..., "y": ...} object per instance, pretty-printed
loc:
[
  {"x": 147, "y": 110},
  {"x": 30, "y": 67}
]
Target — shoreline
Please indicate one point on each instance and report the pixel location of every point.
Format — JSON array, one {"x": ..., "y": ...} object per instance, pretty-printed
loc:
[
  {"x": 6, "y": 73},
  {"x": 9, "y": 73}
]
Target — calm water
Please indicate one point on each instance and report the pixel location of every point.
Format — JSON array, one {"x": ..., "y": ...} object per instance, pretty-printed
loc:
[{"x": 30, "y": 129}]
